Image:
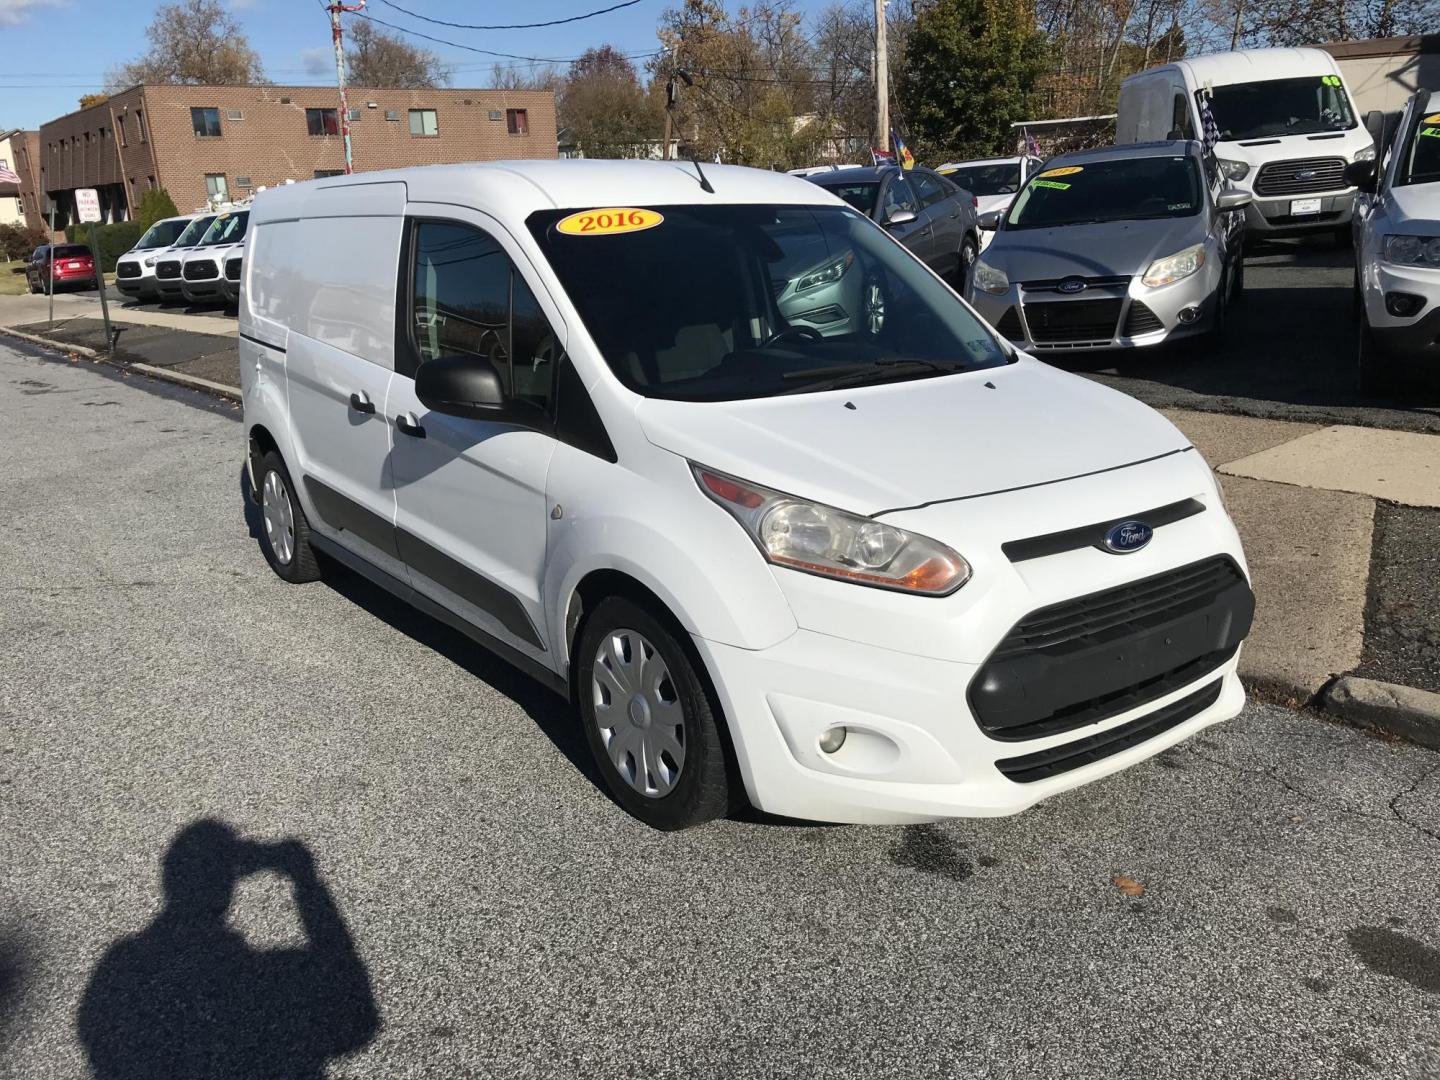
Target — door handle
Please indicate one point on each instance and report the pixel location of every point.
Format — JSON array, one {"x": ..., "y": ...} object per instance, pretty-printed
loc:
[
  {"x": 408, "y": 425},
  {"x": 360, "y": 402}
]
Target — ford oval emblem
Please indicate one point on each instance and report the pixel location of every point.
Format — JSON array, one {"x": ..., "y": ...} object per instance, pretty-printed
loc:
[
  {"x": 1128, "y": 536},
  {"x": 1071, "y": 285},
  {"x": 1306, "y": 174}
]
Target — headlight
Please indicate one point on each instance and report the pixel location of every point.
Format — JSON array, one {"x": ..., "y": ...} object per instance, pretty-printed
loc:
[
  {"x": 821, "y": 540},
  {"x": 1233, "y": 170},
  {"x": 1413, "y": 250},
  {"x": 826, "y": 274},
  {"x": 151, "y": 260},
  {"x": 989, "y": 279},
  {"x": 1368, "y": 154},
  {"x": 1174, "y": 267}
]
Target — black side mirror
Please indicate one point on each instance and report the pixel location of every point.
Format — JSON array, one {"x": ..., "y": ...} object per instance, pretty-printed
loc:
[
  {"x": 467, "y": 386},
  {"x": 1375, "y": 127},
  {"x": 1361, "y": 174}
]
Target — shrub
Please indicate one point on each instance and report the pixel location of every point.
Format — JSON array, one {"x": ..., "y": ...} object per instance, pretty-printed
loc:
[
  {"x": 108, "y": 242},
  {"x": 155, "y": 206},
  {"x": 18, "y": 241}
]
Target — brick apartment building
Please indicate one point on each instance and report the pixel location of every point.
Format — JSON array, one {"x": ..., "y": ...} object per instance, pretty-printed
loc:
[
  {"x": 20, "y": 204},
  {"x": 201, "y": 142}
]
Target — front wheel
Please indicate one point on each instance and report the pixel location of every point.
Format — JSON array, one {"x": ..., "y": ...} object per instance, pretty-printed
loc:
[
  {"x": 649, "y": 718},
  {"x": 969, "y": 252},
  {"x": 284, "y": 529}
]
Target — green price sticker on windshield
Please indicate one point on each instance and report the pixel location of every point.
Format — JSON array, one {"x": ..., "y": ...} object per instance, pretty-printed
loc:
[
  {"x": 1053, "y": 184},
  {"x": 1331, "y": 80},
  {"x": 1429, "y": 132}
]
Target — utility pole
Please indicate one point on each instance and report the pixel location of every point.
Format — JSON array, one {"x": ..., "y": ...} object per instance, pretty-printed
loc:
[
  {"x": 882, "y": 78},
  {"x": 336, "y": 9}
]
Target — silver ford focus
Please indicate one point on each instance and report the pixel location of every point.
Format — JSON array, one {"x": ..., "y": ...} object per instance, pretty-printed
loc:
[{"x": 1121, "y": 247}]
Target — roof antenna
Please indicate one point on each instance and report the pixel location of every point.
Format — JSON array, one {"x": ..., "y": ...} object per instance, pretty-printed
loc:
[{"x": 704, "y": 184}]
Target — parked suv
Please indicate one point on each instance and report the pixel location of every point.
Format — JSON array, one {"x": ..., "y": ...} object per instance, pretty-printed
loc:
[
  {"x": 1397, "y": 248},
  {"x": 1120, "y": 247},
  {"x": 202, "y": 268},
  {"x": 932, "y": 216},
  {"x": 135, "y": 270},
  {"x": 66, "y": 266},
  {"x": 894, "y": 575},
  {"x": 170, "y": 263}
]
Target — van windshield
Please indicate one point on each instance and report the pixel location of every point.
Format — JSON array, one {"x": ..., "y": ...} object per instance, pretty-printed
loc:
[
  {"x": 227, "y": 229},
  {"x": 1261, "y": 110},
  {"x": 194, "y": 232},
  {"x": 161, "y": 234},
  {"x": 719, "y": 302},
  {"x": 980, "y": 180},
  {"x": 1121, "y": 189}
]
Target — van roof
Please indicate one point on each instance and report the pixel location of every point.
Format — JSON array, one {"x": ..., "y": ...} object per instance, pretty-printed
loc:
[
  {"x": 515, "y": 189},
  {"x": 1252, "y": 65}
]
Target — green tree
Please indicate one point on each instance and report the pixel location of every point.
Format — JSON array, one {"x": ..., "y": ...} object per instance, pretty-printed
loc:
[
  {"x": 155, "y": 206},
  {"x": 195, "y": 42},
  {"x": 605, "y": 109},
  {"x": 969, "y": 71}
]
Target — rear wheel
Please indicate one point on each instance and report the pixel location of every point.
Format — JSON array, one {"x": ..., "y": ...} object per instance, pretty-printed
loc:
[
  {"x": 284, "y": 529},
  {"x": 969, "y": 252},
  {"x": 649, "y": 718}
]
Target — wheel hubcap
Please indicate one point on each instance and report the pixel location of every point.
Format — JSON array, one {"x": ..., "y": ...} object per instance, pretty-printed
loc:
[
  {"x": 637, "y": 708},
  {"x": 279, "y": 518},
  {"x": 874, "y": 308}
]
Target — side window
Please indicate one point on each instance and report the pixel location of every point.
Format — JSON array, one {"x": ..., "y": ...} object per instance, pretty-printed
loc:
[
  {"x": 929, "y": 188},
  {"x": 467, "y": 299},
  {"x": 898, "y": 196},
  {"x": 1181, "y": 121}
]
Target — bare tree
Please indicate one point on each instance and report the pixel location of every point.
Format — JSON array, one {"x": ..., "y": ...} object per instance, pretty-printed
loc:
[
  {"x": 196, "y": 42},
  {"x": 605, "y": 109},
  {"x": 376, "y": 58},
  {"x": 522, "y": 77}
]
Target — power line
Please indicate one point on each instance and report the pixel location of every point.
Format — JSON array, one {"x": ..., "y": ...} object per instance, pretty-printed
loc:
[
  {"x": 510, "y": 26},
  {"x": 488, "y": 52}
]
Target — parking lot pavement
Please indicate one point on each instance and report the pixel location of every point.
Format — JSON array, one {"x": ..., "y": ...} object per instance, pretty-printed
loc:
[
  {"x": 1289, "y": 352},
  {"x": 16, "y": 310},
  {"x": 460, "y": 899}
]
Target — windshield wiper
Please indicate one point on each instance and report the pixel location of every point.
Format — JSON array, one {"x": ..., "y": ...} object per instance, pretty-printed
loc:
[{"x": 856, "y": 374}]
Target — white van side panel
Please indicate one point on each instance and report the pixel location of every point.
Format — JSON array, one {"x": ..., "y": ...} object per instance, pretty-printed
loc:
[{"x": 1146, "y": 107}]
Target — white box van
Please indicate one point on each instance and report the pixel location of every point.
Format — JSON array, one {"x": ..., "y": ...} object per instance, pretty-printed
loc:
[
  {"x": 873, "y": 569},
  {"x": 1287, "y": 129}
]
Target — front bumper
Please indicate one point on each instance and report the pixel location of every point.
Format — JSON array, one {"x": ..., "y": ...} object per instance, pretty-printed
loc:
[
  {"x": 941, "y": 708},
  {"x": 1416, "y": 337},
  {"x": 1273, "y": 217},
  {"x": 1131, "y": 316}
]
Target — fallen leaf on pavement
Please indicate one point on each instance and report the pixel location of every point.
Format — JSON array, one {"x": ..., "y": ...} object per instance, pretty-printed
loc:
[{"x": 1129, "y": 886}]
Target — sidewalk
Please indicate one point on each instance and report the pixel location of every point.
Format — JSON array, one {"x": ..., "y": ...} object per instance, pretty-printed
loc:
[
  {"x": 19, "y": 310},
  {"x": 1306, "y": 499}
]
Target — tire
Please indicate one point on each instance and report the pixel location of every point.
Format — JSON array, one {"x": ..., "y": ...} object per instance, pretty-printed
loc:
[
  {"x": 873, "y": 301},
  {"x": 1344, "y": 236},
  {"x": 1373, "y": 369},
  {"x": 633, "y": 742},
  {"x": 969, "y": 252},
  {"x": 283, "y": 524},
  {"x": 1237, "y": 280},
  {"x": 1214, "y": 338}
]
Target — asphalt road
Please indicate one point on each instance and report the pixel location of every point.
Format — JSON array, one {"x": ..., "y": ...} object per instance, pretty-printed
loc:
[{"x": 459, "y": 899}]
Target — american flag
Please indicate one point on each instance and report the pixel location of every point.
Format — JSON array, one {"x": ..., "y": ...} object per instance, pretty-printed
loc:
[
  {"x": 1209, "y": 130},
  {"x": 7, "y": 174}
]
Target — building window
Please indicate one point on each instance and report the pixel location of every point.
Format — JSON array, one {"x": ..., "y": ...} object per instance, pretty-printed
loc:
[
  {"x": 243, "y": 182},
  {"x": 151, "y": 181},
  {"x": 517, "y": 121},
  {"x": 120, "y": 129},
  {"x": 215, "y": 187},
  {"x": 140, "y": 123},
  {"x": 496, "y": 114},
  {"x": 322, "y": 122},
  {"x": 206, "y": 123},
  {"x": 321, "y": 174},
  {"x": 424, "y": 122}
]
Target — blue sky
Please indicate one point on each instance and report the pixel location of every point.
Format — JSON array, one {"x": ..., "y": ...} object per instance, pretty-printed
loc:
[{"x": 52, "y": 51}]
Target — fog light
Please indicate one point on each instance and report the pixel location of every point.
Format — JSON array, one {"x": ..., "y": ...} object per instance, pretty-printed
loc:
[
  {"x": 1188, "y": 314},
  {"x": 833, "y": 739},
  {"x": 1403, "y": 305}
]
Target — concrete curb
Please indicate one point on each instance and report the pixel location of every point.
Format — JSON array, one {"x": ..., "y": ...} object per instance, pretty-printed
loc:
[
  {"x": 1397, "y": 710},
  {"x": 194, "y": 382}
]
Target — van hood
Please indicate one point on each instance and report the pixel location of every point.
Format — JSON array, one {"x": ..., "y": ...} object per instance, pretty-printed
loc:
[
  {"x": 1255, "y": 152},
  {"x": 1102, "y": 249},
  {"x": 910, "y": 443},
  {"x": 1415, "y": 208}
]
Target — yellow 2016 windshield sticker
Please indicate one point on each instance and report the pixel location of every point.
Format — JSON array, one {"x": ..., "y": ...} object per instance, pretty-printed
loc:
[
  {"x": 609, "y": 220},
  {"x": 1053, "y": 184},
  {"x": 1435, "y": 119},
  {"x": 1068, "y": 170}
]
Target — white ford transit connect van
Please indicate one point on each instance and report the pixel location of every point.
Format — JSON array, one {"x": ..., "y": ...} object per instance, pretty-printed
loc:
[
  {"x": 875, "y": 569},
  {"x": 1287, "y": 129}
]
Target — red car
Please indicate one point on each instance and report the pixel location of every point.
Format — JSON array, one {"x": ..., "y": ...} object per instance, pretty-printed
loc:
[{"x": 74, "y": 267}]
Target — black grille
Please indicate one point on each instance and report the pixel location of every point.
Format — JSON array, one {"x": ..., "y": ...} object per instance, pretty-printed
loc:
[
  {"x": 169, "y": 268},
  {"x": 1009, "y": 326},
  {"x": 201, "y": 271},
  {"x": 1300, "y": 177},
  {"x": 127, "y": 269},
  {"x": 232, "y": 269},
  {"x": 1073, "y": 320},
  {"x": 1093, "y": 748},
  {"x": 1085, "y": 660},
  {"x": 1141, "y": 320}
]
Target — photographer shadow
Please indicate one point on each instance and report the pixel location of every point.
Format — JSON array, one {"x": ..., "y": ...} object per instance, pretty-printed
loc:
[{"x": 188, "y": 996}]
